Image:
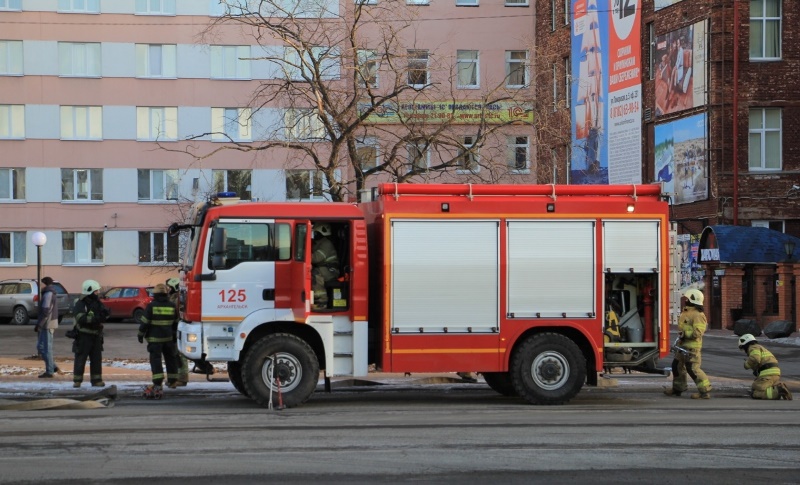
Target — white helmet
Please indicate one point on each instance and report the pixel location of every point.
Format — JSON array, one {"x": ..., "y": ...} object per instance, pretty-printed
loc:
[
  {"x": 324, "y": 229},
  {"x": 746, "y": 339},
  {"x": 694, "y": 296},
  {"x": 89, "y": 286}
]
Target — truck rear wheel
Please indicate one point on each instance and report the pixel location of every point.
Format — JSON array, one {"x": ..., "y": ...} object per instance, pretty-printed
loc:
[
  {"x": 235, "y": 375},
  {"x": 284, "y": 358},
  {"x": 548, "y": 368},
  {"x": 500, "y": 382}
]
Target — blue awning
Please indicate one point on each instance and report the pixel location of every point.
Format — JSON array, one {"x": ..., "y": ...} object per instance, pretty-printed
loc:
[{"x": 744, "y": 244}]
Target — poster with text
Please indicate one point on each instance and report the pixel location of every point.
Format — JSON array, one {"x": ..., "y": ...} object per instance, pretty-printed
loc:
[
  {"x": 680, "y": 60},
  {"x": 681, "y": 159},
  {"x": 606, "y": 92}
]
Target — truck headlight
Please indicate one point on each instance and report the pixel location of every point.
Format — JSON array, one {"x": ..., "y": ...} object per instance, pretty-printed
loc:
[
  {"x": 190, "y": 350},
  {"x": 191, "y": 337}
]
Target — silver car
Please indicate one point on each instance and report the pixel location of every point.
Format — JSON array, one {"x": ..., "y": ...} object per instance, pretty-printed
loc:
[{"x": 19, "y": 300}]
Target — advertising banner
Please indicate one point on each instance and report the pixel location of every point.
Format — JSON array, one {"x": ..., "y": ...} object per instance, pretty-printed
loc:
[
  {"x": 455, "y": 112},
  {"x": 665, "y": 3},
  {"x": 606, "y": 92},
  {"x": 681, "y": 69},
  {"x": 680, "y": 154}
]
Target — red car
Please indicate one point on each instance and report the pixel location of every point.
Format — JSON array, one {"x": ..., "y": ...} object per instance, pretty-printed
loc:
[{"x": 127, "y": 301}]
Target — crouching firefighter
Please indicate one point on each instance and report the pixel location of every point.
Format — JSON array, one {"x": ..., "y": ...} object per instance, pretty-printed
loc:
[
  {"x": 765, "y": 367},
  {"x": 691, "y": 325},
  {"x": 158, "y": 328}
]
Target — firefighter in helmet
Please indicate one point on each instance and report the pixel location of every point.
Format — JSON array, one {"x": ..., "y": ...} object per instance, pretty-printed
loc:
[
  {"x": 765, "y": 367},
  {"x": 691, "y": 327},
  {"x": 90, "y": 314},
  {"x": 158, "y": 328},
  {"x": 183, "y": 363},
  {"x": 324, "y": 263}
]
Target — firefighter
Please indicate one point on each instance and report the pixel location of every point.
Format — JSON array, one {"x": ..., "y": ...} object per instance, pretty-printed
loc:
[
  {"x": 158, "y": 327},
  {"x": 183, "y": 363},
  {"x": 90, "y": 315},
  {"x": 324, "y": 263},
  {"x": 765, "y": 367},
  {"x": 691, "y": 327}
]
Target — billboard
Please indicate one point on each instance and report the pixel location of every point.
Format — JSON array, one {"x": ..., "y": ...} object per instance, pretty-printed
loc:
[
  {"x": 665, "y": 3},
  {"x": 681, "y": 158},
  {"x": 606, "y": 92},
  {"x": 681, "y": 69}
]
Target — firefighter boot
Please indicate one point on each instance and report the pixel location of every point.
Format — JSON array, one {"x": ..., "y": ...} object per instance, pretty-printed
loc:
[
  {"x": 702, "y": 395},
  {"x": 784, "y": 392},
  {"x": 672, "y": 392},
  {"x": 153, "y": 392}
]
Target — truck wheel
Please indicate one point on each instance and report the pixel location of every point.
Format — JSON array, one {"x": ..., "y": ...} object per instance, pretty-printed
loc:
[
  {"x": 500, "y": 382},
  {"x": 290, "y": 360},
  {"x": 235, "y": 375},
  {"x": 20, "y": 316},
  {"x": 548, "y": 368}
]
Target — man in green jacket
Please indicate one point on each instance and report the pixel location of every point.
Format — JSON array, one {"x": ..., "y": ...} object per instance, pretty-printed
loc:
[
  {"x": 765, "y": 367},
  {"x": 691, "y": 327}
]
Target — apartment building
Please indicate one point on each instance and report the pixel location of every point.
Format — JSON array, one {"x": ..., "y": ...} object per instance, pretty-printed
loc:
[{"x": 117, "y": 115}]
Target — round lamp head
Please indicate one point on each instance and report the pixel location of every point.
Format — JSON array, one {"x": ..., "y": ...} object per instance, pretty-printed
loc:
[{"x": 39, "y": 238}]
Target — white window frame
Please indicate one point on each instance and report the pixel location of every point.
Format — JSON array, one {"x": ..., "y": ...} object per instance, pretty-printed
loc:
[
  {"x": 418, "y": 151},
  {"x": 157, "y": 61},
  {"x": 511, "y": 66},
  {"x": 79, "y": 59},
  {"x": 567, "y": 7},
  {"x": 12, "y": 121},
  {"x": 78, "y": 6},
  {"x": 762, "y": 132},
  {"x": 221, "y": 182},
  {"x": 651, "y": 49},
  {"x": 464, "y": 154},
  {"x": 770, "y": 224},
  {"x": 365, "y": 2},
  {"x": 93, "y": 178},
  {"x": 516, "y": 3},
  {"x": 162, "y": 185},
  {"x": 230, "y": 62},
  {"x": 17, "y": 248},
  {"x": 556, "y": 82},
  {"x": 12, "y": 5},
  {"x": 762, "y": 19},
  {"x": 369, "y": 64},
  {"x": 553, "y": 16},
  {"x": 415, "y": 56},
  {"x": 155, "y": 7},
  {"x": 81, "y": 122},
  {"x": 466, "y": 3},
  {"x": 166, "y": 242},
  {"x": 156, "y": 123},
  {"x": 464, "y": 62},
  {"x": 418, "y": 2},
  {"x": 83, "y": 252},
  {"x": 303, "y": 124},
  {"x": 12, "y": 184},
  {"x": 513, "y": 145},
  {"x": 363, "y": 147},
  {"x": 567, "y": 81},
  {"x": 231, "y": 124},
  {"x": 316, "y": 184},
  {"x": 11, "y": 58}
]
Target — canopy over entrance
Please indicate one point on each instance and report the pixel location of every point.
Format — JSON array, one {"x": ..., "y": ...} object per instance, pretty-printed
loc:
[{"x": 745, "y": 244}]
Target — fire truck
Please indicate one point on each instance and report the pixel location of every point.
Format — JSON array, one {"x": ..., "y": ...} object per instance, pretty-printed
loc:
[{"x": 536, "y": 287}]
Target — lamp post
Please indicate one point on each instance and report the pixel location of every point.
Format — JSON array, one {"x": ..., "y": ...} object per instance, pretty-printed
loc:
[
  {"x": 788, "y": 247},
  {"x": 39, "y": 239}
]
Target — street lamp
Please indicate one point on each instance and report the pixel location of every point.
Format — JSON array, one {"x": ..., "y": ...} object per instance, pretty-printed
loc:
[
  {"x": 39, "y": 239},
  {"x": 788, "y": 247}
]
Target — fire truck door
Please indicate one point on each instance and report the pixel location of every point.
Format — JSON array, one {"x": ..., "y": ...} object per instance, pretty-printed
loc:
[{"x": 300, "y": 296}]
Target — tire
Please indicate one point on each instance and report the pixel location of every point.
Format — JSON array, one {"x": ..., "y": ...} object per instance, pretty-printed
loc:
[
  {"x": 297, "y": 368},
  {"x": 235, "y": 375},
  {"x": 548, "y": 368},
  {"x": 500, "y": 382},
  {"x": 20, "y": 316},
  {"x": 137, "y": 315}
]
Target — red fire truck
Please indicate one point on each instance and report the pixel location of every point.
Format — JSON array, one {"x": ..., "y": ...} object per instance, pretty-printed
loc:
[{"x": 516, "y": 282}]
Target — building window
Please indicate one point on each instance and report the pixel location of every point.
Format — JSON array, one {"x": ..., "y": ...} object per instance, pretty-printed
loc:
[
  {"x": 79, "y": 6},
  {"x": 553, "y": 14},
  {"x": 467, "y": 69},
  {"x": 765, "y": 151},
  {"x": 516, "y": 69},
  {"x": 155, "y": 7},
  {"x": 556, "y": 82},
  {"x": 567, "y": 11},
  {"x": 651, "y": 50},
  {"x": 765, "y": 29},
  {"x": 304, "y": 184},
  {"x": 303, "y": 125},
  {"x": 12, "y": 248},
  {"x": 467, "y": 158},
  {"x": 516, "y": 3},
  {"x": 156, "y": 123},
  {"x": 12, "y": 184},
  {"x": 418, "y": 2},
  {"x": 518, "y": 154},
  {"x": 10, "y": 4},
  {"x": 156, "y": 60},
  {"x": 418, "y": 156},
  {"x": 230, "y": 62},
  {"x": 157, "y": 185},
  {"x": 368, "y": 65},
  {"x": 82, "y": 184},
  {"x": 567, "y": 81},
  {"x": 237, "y": 181},
  {"x": 417, "y": 68},
  {"x": 316, "y": 63},
  {"x": 81, "y": 123},
  {"x": 367, "y": 153},
  {"x": 774, "y": 225},
  {"x": 10, "y": 57},
  {"x": 157, "y": 247},
  {"x": 82, "y": 247},
  {"x": 78, "y": 59},
  {"x": 12, "y": 121},
  {"x": 231, "y": 124},
  {"x": 467, "y": 3}
]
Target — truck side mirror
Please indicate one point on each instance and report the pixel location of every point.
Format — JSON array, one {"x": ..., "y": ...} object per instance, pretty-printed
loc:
[{"x": 219, "y": 248}]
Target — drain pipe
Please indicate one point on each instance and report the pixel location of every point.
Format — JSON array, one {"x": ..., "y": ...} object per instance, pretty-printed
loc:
[{"x": 735, "y": 112}]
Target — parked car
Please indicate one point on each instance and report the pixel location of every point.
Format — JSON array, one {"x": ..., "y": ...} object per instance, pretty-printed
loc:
[
  {"x": 19, "y": 300},
  {"x": 127, "y": 301}
]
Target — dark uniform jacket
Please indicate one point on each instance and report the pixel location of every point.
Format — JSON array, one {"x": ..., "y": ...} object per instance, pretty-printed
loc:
[{"x": 160, "y": 320}]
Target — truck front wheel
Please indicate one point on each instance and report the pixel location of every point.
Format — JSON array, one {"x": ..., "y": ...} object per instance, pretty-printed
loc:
[
  {"x": 235, "y": 375},
  {"x": 500, "y": 382},
  {"x": 280, "y": 363},
  {"x": 548, "y": 368}
]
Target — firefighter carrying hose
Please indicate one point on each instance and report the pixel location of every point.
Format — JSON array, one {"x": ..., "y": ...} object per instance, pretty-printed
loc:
[
  {"x": 691, "y": 326},
  {"x": 158, "y": 327},
  {"x": 765, "y": 367}
]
